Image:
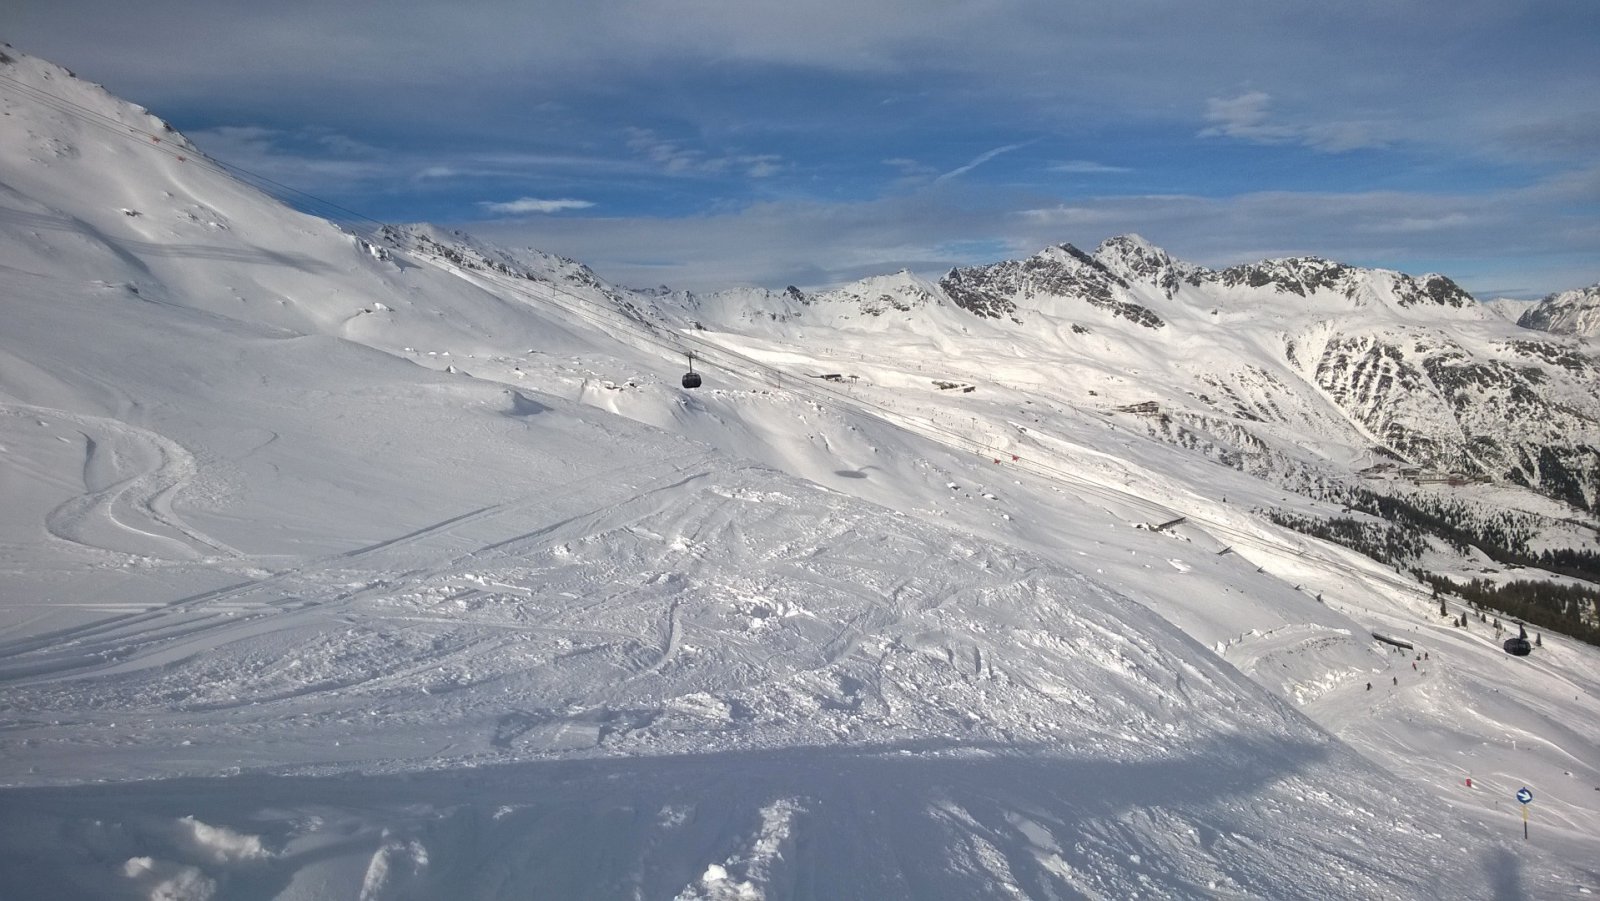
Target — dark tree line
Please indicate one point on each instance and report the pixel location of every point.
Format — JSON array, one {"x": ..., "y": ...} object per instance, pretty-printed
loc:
[
  {"x": 1571, "y": 562},
  {"x": 1570, "y": 609},
  {"x": 1502, "y": 536},
  {"x": 1384, "y": 542},
  {"x": 1400, "y": 542}
]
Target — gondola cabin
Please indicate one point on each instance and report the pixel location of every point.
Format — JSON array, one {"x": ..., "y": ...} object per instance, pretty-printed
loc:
[
  {"x": 1519, "y": 646},
  {"x": 691, "y": 379}
]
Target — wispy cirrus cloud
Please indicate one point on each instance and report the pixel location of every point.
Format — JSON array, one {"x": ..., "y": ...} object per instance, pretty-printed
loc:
[
  {"x": 979, "y": 160},
  {"x": 909, "y": 167},
  {"x": 534, "y": 205},
  {"x": 1248, "y": 117},
  {"x": 1245, "y": 117},
  {"x": 311, "y": 158},
  {"x": 1086, "y": 167},
  {"x": 677, "y": 159}
]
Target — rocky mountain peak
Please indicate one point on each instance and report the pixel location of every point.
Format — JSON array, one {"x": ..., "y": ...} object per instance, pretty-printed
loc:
[
  {"x": 1069, "y": 257},
  {"x": 1431, "y": 288},
  {"x": 1135, "y": 259},
  {"x": 1292, "y": 275},
  {"x": 1307, "y": 275},
  {"x": 1062, "y": 272}
]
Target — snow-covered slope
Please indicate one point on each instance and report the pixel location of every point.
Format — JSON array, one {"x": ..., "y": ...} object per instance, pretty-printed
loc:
[
  {"x": 1566, "y": 313},
  {"x": 331, "y": 570},
  {"x": 1246, "y": 362},
  {"x": 1509, "y": 308}
]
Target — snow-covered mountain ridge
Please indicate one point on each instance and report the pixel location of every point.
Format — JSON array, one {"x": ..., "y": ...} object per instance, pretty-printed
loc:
[
  {"x": 1387, "y": 365},
  {"x": 399, "y": 566},
  {"x": 1566, "y": 313}
]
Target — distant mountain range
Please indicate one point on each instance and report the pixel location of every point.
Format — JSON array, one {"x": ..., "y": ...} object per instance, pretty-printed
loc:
[
  {"x": 1251, "y": 364},
  {"x": 1255, "y": 363}
]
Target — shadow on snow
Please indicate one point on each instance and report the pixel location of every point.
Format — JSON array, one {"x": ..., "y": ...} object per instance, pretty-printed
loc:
[{"x": 926, "y": 820}]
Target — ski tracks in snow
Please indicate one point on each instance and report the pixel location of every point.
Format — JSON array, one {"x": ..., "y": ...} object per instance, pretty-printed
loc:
[
  {"x": 191, "y": 624},
  {"x": 129, "y": 479}
]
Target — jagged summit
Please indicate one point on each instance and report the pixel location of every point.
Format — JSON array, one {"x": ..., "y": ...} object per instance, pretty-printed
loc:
[
  {"x": 1051, "y": 282},
  {"x": 1137, "y": 260},
  {"x": 1130, "y": 243},
  {"x": 1308, "y": 275}
]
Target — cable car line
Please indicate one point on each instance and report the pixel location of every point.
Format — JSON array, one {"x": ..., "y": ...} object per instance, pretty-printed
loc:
[
  {"x": 608, "y": 319},
  {"x": 691, "y": 379},
  {"x": 733, "y": 360}
]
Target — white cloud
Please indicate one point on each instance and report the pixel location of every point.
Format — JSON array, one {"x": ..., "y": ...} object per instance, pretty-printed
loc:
[
  {"x": 534, "y": 205},
  {"x": 438, "y": 171},
  {"x": 669, "y": 155},
  {"x": 675, "y": 159},
  {"x": 1151, "y": 60},
  {"x": 309, "y": 159},
  {"x": 761, "y": 165},
  {"x": 1404, "y": 224},
  {"x": 1511, "y": 240},
  {"x": 1244, "y": 116},
  {"x": 1086, "y": 167},
  {"x": 1247, "y": 118},
  {"x": 909, "y": 167}
]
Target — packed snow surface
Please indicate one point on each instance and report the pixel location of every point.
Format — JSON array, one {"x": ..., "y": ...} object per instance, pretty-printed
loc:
[{"x": 391, "y": 568}]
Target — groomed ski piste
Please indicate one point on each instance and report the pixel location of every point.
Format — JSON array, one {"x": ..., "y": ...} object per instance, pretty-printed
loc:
[{"x": 334, "y": 567}]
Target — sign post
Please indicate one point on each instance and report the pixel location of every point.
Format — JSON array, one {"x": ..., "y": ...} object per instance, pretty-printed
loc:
[{"x": 1525, "y": 797}]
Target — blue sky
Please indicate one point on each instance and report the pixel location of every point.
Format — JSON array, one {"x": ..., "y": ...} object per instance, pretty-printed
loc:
[{"x": 708, "y": 143}]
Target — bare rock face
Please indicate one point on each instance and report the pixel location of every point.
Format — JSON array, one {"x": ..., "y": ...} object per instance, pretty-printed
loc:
[{"x": 1008, "y": 289}]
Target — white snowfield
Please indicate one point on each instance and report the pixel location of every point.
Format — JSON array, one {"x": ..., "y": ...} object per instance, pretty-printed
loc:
[{"x": 344, "y": 570}]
